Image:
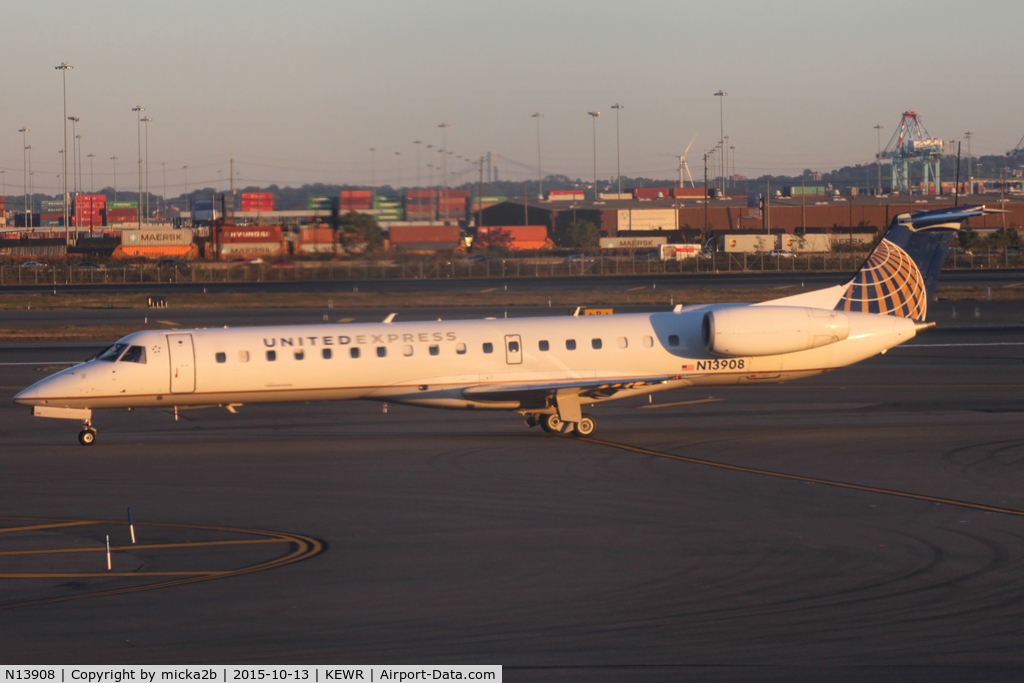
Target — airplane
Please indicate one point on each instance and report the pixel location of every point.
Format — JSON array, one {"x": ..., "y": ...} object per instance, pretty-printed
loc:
[{"x": 546, "y": 369}]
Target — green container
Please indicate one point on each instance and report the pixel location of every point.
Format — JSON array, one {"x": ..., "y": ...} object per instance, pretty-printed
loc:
[
  {"x": 318, "y": 204},
  {"x": 122, "y": 205}
]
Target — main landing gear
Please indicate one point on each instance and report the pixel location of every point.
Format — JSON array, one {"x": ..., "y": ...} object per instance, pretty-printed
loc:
[
  {"x": 87, "y": 436},
  {"x": 552, "y": 424}
]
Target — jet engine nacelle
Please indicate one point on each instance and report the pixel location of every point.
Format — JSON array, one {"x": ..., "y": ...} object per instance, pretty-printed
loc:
[{"x": 771, "y": 330}]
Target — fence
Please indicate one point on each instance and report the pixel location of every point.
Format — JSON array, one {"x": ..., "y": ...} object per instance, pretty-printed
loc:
[{"x": 583, "y": 266}]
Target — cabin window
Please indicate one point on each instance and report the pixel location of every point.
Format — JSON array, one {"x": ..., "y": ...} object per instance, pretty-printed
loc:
[
  {"x": 622, "y": 342},
  {"x": 221, "y": 357},
  {"x": 134, "y": 354},
  {"x": 460, "y": 348},
  {"x": 434, "y": 349},
  {"x": 243, "y": 356},
  {"x": 595, "y": 343},
  {"x": 382, "y": 351},
  {"x": 488, "y": 347},
  {"x": 300, "y": 354},
  {"x": 112, "y": 352},
  {"x": 326, "y": 353},
  {"x": 673, "y": 340},
  {"x": 513, "y": 347},
  {"x": 570, "y": 344},
  {"x": 648, "y": 342},
  {"x": 407, "y": 350},
  {"x": 271, "y": 355},
  {"x": 543, "y": 345},
  {"x": 354, "y": 352}
]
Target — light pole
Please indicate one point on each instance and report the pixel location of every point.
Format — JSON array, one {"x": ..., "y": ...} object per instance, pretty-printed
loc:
[
  {"x": 878, "y": 155},
  {"x": 618, "y": 165},
  {"x": 540, "y": 173},
  {"x": 185, "y": 171},
  {"x": 593, "y": 119},
  {"x": 138, "y": 109},
  {"x": 78, "y": 161},
  {"x": 64, "y": 67},
  {"x": 706, "y": 197},
  {"x": 24, "y": 170},
  {"x": 444, "y": 149},
  {"x": 721, "y": 122},
  {"x": 31, "y": 188},
  {"x": 92, "y": 179},
  {"x": 114, "y": 159},
  {"x": 970, "y": 179},
  {"x": 725, "y": 150},
  {"x": 417, "y": 143},
  {"x": 74, "y": 154},
  {"x": 398, "y": 167},
  {"x": 146, "y": 120},
  {"x": 163, "y": 166}
]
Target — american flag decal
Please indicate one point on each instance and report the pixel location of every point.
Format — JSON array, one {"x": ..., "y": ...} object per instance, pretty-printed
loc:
[
  {"x": 687, "y": 367},
  {"x": 889, "y": 283}
]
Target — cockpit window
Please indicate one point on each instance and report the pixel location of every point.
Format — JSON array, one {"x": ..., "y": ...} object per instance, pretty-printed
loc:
[
  {"x": 111, "y": 354},
  {"x": 134, "y": 354}
]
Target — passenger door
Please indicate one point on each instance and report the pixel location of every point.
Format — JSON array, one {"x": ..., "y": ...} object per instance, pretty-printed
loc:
[
  {"x": 183, "y": 363},
  {"x": 513, "y": 349}
]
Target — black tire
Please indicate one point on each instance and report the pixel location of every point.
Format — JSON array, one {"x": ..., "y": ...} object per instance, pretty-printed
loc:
[
  {"x": 586, "y": 426},
  {"x": 87, "y": 437},
  {"x": 551, "y": 423}
]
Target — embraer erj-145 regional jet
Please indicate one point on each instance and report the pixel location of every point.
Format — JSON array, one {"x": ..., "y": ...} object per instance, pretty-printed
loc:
[{"x": 546, "y": 369}]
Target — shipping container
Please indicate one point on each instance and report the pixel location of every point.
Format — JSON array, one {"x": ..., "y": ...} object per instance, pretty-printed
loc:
[
  {"x": 514, "y": 236},
  {"x": 652, "y": 192},
  {"x": 400, "y": 234},
  {"x": 318, "y": 204},
  {"x": 632, "y": 242},
  {"x": 135, "y": 205},
  {"x": 679, "y": 252},
  {"x": 250, "y": 248},
  {"x": 565, "y": 195},
  {"x": 156, "y": 251},
  {"x": 681, "y": 192},
  {"x": 316, "y": 235},
  {"x": 156, "y": 237},
  {"x": 251, "y": 233},
  {"x": 804, "y": 191},
  {"x": 647, "y": 220}
]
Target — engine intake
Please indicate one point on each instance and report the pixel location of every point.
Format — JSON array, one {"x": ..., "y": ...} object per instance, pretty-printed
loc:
[{"x": 771, "y": 330}]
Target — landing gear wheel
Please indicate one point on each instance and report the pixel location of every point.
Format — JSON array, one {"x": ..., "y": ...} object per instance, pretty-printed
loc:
[
  {"x": 586, "y": 426},
  {"x": 551, "y": 424},
  {"x": 86, "y": 437}
]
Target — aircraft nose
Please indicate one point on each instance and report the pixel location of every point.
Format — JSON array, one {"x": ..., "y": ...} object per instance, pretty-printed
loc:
[{"x": 29, "y": 396}]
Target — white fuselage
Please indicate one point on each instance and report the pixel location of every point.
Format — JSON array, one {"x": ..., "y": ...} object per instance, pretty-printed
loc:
[{"x": 437, "y": 364}]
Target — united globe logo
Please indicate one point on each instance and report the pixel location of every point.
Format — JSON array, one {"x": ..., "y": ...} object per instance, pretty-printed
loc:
[{"x": 889, "y": 283}]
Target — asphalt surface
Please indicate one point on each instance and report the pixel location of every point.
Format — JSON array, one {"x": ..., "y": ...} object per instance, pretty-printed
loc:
[
  {"x": 461, "y": 537},
  {"x": 752, "y": 279}
]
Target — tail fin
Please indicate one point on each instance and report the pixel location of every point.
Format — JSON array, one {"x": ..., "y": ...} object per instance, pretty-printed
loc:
[{"x": 900, "y": 275}]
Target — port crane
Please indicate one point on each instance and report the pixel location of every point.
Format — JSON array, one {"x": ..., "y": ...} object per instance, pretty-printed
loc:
[
  {"x": 1018, "y": 150},
  {"x": 912, "y": 142}
]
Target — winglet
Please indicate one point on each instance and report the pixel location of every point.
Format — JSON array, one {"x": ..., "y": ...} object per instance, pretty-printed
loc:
[
  {"x": 576, "y": 313},
  {"x": 391, "y": 317}
]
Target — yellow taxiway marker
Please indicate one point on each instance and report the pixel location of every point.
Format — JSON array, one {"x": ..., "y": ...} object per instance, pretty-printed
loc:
[
  {"x": 492, "y": 289},
  {"x": 681, "y": 403},
  {"x": 345, "y": 320},
  {"x": 169, "y": 322},
  {"x": 808, "y": 480}
]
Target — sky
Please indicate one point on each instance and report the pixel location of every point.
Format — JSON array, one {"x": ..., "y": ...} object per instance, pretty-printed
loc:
[{"x": 299, "y": 91}]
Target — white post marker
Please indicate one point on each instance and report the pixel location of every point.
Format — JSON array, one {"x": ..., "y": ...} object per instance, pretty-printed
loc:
[
  {"x": 108, "y": 553},
  {"x": 131, "y": 527}
]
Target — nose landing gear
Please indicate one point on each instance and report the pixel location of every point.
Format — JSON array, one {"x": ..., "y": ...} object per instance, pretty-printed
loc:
[{"x": 87, "y": 436}]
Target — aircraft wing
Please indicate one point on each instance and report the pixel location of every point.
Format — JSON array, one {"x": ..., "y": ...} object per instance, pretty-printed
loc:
[{"x": 538, "y": 392}]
